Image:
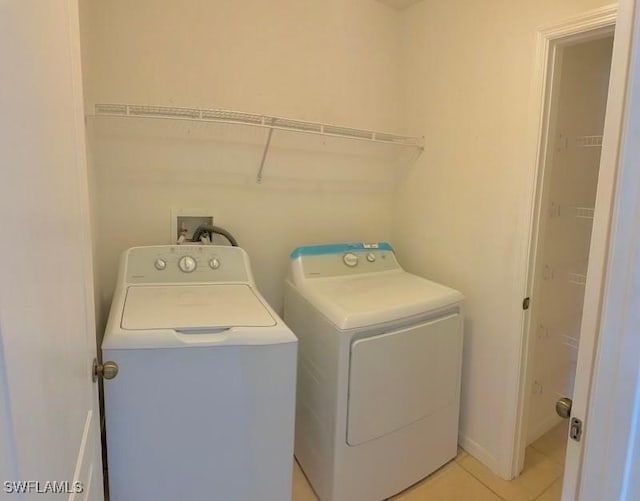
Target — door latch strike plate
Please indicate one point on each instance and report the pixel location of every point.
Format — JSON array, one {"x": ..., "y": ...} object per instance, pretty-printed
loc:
[{"x": 575, "y": 429}]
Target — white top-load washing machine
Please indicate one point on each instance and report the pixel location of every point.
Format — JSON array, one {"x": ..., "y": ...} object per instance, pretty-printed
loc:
[
  {"x": 378, "y": 370},
  {"x": 202, "y": 408}
]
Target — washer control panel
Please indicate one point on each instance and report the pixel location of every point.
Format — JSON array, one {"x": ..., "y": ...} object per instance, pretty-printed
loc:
[{"x": 186, "y": 263}]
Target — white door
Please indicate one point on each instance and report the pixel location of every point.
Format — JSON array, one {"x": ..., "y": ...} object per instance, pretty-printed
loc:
[
  {"x": 586, "y": 483},
  {"x": 49, "y": 419}
]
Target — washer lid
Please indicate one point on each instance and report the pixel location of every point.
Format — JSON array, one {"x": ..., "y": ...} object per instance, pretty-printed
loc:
[
  {"x": 374, "y": 298},
  {"x": 193, "y": 307}
]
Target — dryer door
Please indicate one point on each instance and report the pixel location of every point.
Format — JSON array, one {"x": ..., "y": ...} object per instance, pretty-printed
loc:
[{"x": 400, "y": 377}]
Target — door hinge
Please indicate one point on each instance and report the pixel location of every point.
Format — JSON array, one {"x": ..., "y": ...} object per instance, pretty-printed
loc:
[
  {"x": 575, "y": 429},
  {"x": 525, "y": 303}
]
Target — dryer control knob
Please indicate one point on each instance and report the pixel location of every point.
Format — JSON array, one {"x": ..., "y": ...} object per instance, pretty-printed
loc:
[
  {"x": 371, "y": 257},
  {"x": 160, "y": 264},
  {"x": 350, "y": 259},
  {"x": 187, "y": 264},
  {"x": 214, "y": 263}
]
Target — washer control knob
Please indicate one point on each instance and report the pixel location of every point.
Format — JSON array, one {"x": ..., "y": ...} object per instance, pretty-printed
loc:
[
  {"x": 371, "y": 257},
  {"x": 350, "y": 259},
  {"x": 187, "y": 264},
  {"x": 214, "y": 263},
  {"x": 160, "y": 264}
]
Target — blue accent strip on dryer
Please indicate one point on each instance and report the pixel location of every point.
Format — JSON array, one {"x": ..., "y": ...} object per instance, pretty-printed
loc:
[{"x": 318, "y": 250}]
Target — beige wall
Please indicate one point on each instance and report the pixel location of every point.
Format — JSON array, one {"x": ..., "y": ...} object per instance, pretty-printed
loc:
[
  {"x": 332, "y": 60},
  {"x": 462, "y": 210}
]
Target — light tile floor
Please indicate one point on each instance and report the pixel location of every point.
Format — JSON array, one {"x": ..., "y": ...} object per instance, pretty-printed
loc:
[{"x": 466, "y": 479}]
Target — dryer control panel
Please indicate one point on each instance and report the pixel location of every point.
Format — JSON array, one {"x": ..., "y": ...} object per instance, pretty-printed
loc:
[
  {"x": 186, "y": 264},
  {"x": 344, "y": 259}
]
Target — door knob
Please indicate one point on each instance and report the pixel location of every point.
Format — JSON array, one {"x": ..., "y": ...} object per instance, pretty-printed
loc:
[
  {"x": 106, "y": 370},
  {"x": 563, "y": 407}
]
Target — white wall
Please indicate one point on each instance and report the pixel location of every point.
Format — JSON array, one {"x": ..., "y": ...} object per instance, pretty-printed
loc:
[
  {"x": 334, "y": 61},
  {"x": 462, "y": 210}
]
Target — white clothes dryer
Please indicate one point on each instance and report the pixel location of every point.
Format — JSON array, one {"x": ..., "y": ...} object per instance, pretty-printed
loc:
[
  {"x": 379, "y": 363},
  {"x": 203, "y": 404}
]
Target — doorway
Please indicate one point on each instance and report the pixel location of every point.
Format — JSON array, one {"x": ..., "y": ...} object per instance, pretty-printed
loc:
[{"x": 576, "y": 102}]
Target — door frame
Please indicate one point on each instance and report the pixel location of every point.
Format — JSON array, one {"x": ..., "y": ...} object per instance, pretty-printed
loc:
[{"x": 588, "y": 26}]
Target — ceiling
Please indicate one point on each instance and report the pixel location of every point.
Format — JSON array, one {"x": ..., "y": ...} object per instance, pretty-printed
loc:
[{"x": 399, "y": 4}]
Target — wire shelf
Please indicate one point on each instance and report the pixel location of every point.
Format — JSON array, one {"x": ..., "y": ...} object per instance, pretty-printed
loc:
[
  {"x": 387, "y": 141},
  {"x": 558, "y": 210},
  {"x": 574, "y": 273},
  {"x": 577, "y": 278},
  {"x": 271, "y": 122},
  {"x": 583, "y": 212},
  {"x": 589, "y": 141},
  {"x": 578, "y": 212}
]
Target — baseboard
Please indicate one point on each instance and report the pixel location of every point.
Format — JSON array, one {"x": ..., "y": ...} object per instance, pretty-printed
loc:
[{"x": 479, "y": 452}]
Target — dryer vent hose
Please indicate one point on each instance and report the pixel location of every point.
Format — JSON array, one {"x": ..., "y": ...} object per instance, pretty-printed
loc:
[{"x": 209, "y": 229}]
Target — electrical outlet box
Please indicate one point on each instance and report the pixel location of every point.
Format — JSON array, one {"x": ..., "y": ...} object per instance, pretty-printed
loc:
[{"x": 186, "y": 221}]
